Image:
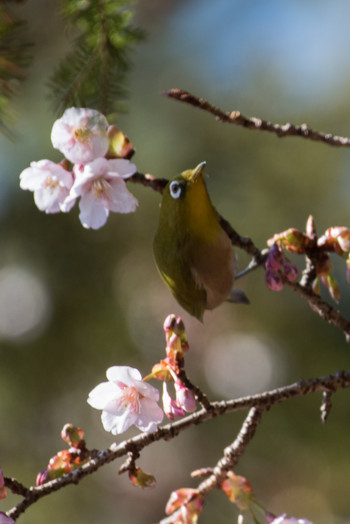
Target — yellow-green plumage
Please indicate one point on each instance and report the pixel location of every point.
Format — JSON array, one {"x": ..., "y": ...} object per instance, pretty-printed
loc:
[{"x": 193, "y": 253}]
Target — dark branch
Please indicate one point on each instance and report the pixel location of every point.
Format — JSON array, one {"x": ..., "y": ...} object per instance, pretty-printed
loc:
[
  {"x": 134, "y": 445},
  {"x": 233, "y": 452},
  {"x": 235, "y": 117}
]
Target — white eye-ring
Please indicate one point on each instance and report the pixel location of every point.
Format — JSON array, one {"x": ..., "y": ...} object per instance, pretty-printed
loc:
[{"x": 175, "y": 189}]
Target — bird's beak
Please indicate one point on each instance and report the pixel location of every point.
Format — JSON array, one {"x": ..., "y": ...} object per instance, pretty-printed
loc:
[{"x": 198, "y": 170}]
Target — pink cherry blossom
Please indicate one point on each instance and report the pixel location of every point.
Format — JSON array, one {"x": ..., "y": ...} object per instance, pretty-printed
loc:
[
  {"x": 81, "y": 135},
  {"x": 102, "y": 189},
  {"x": 126, "y": 400},
  {"x": 4, "y": 519},
  {"x": 51, "y": 184},
  {"x": 283, "y": 519}
]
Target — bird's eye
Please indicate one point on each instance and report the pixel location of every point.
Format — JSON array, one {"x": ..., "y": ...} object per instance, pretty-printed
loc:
[{"x": 176, "y": 189}]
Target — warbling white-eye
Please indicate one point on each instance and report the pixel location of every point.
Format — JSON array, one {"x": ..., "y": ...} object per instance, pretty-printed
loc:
[{"x": 193, "y": 253}]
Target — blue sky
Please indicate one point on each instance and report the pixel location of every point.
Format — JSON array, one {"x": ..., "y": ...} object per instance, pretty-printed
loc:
[{"x": 307, "y": 41}]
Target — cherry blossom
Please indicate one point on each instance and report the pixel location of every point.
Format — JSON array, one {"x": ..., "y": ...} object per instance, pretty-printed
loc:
[
  {"x": 126, "y": 400},
  {"x": 51, "y": 184},
  {"x": 81, "y": 135},
  {"x": 102, "y": 189}
]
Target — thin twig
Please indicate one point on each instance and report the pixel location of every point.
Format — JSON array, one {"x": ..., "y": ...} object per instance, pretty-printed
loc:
[
  {"x": 325, "y": 311},
  {"x": 235, "y": 117},
  {"x": 233, "y": 452},
  {"x": 134, "y": 445},
  {"x": 157, "y": 184}
]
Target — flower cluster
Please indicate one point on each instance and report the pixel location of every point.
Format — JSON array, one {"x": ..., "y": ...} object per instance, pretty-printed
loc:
[
  {"x": 67, "y": 460},
  {"x": 127, "y": 399},
  {"x": 334, "y": 240},
  {"x": 94, "y": 169}
]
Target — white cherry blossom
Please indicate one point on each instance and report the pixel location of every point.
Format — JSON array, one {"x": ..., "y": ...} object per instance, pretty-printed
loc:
[
  {"x": 102, "y": 189},
  {"x": 126, "y": 400},
  {"x": 81, "y": 135},
  {"x": 50, "y": 183}
]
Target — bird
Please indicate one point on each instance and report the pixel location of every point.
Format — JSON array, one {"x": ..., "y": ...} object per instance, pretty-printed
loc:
[{"x": 193, "y": 253}]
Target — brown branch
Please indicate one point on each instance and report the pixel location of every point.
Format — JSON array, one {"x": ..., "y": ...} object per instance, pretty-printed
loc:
[
  {"x": 233, "y": 452},
  {"x": 325, "y": 311},
  {"x": 235, "y": 117},
  {"x": 157, "y": 184},
  {"x": 134, "y": 445}
]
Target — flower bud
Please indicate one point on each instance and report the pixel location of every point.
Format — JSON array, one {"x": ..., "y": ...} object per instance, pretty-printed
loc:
[
  {"x": 275, "y": 258},
  {"x": 185, "y": 398},
  {"x": 170, "y": 406},
  {"x": 73, "y": 435},
  {"x": 141, "y": 479},
  {"x": 119, "y": 144},
  {"x": 238, "y": 490},
  {"x": 273, "y": 280}
]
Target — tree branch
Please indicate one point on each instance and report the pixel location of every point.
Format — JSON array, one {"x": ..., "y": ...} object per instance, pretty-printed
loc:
[
  {"x": 233, "y": 452},
  {"x": 258, "y": 124},
  {"x": 260, "y": 402}
]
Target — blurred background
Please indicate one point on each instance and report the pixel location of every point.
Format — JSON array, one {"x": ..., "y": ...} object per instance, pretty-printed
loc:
[{"x": 74, "y": 302}]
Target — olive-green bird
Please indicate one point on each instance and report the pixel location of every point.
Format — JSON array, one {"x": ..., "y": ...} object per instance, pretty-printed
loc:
[{"x": 193, "y": 253}]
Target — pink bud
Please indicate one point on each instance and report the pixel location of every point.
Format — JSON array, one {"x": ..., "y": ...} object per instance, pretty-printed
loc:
[
  {"x": 42, "y": 477},
  {"x": 72, "y": 435},
  {"x": 275, "y": 258},
  {"x": 185, "y": 398},
  {"x": 169, "y": 322},
  {"x": 273, "y": 280},
  {"x": 170, "y": 407}
]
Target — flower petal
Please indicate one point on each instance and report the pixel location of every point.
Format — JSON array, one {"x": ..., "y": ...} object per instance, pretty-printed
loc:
[
  {"x": 124, "y": 374},
  {"x": 102, "y": 394},
  {"x": 120, "y": 167},
  {"x": 92, "y": 212},
  {"x": 117, "y": 424},
  {"x": 150, "y": 416},
  {"x": 121, "y": 200}
]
